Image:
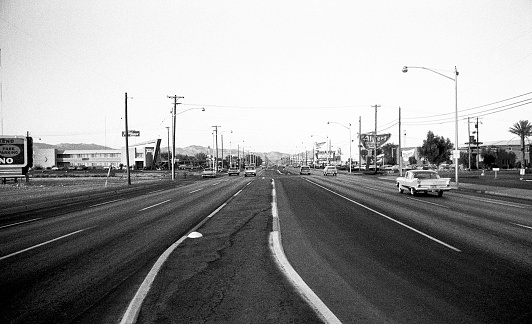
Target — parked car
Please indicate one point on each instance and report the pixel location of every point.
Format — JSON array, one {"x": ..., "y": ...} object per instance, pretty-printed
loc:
[
  {"x": 330, "y": 170},
  {"x": 305, "y": 169},
  {"x": 233, "y": 170},
  {"x": 250, "y": 171},
  {"x": 208, "y": 173},
  {"x": 423, "y": 181}
]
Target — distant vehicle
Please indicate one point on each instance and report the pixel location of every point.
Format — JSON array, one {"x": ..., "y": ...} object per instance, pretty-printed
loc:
[
  {"x": 233, "y": 170},
  {"x": 250, "y": 171},
  {"x": 55, "y": 168},
  {"x": 304, "y": 170},
  {"x": 330, "y": 170},
  {"x": 423, "y": 181},
  {"x": 208, "y": 173}
]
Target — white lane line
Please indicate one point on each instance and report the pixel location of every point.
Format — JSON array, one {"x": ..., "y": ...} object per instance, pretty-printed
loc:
[
  {"x": 374, "y": 189},
  {"x": 162, "y": 202},
  {"x": 389, "y": 218},
  {"x": 282, "y": 262},
  {"x": 500, "y": 202},
  {"x": 529, "y": 227},
  {"x": 428, "y": 202},
  {"x": 15, "y": 224},
  {"x": 41, "y": 244},
  {"x": 105, "y": 203},
  {"x": 193, "y": 191}
]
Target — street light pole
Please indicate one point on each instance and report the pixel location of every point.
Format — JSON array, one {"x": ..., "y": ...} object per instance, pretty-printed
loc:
[
  {"x": 456, "y": 152},
  {"x": 127, "y": 145},
  {"x": 350, "y": 155}
]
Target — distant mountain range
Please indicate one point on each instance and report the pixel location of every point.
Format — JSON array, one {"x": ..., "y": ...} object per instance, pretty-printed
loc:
[{"x": 273, "y": 157}]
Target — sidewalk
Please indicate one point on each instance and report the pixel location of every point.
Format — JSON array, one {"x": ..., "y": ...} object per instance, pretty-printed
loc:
[{"x": 498, "y": 191}]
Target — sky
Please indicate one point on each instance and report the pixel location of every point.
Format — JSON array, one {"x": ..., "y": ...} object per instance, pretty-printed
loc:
[{"x": 270, "y": 74}]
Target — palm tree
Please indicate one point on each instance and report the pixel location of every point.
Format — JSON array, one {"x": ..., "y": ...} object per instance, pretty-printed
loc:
[{"x": 522, "y": 129}]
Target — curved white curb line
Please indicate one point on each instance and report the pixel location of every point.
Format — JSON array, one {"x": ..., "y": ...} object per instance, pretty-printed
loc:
[{"x": 277, "y": 249}]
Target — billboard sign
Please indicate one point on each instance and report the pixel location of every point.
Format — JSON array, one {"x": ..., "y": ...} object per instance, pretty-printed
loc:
[
  {"x": 368, "y": 140},
  {"x": 14, "y": 152}
]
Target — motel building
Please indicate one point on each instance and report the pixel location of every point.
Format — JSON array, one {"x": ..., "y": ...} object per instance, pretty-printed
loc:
[{"x": 140, "y": 155}]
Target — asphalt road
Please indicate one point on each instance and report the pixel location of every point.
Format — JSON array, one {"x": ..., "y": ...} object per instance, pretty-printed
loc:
[
  {"x": 374, "y": 255},
  {"x": 370, "y": 253},
  {"x": 59, "y": 262}
]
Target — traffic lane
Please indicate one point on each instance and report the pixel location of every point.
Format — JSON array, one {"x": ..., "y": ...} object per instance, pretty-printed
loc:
[
  {"x": 42, "y": 227},
  {"x": 61, "y": 280},
  {"x": 392, "y": 271},
  {"x": 497, "y": 227}
]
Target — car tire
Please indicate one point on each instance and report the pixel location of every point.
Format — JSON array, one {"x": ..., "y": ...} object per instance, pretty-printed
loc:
[
  {"x": 400, "y": 189},
  {"x": 440, "y": 193},
  {"x": 412, "y": 191}
]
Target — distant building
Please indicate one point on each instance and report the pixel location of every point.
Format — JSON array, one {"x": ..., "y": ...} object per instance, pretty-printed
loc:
[
  {"x": 140, "y": 155},
  {"x": 513, "y": 145}
]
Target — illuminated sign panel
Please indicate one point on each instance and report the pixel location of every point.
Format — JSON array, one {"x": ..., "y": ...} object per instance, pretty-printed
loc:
[{"x": 13, "y": 151}]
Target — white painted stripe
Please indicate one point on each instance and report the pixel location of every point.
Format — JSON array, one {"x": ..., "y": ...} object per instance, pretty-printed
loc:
[
  {"x": 193, "y": 191},
  {"x": 15, "y": 224},
  {"x": 428, "y": 202},
  {"x": 300, "y": 285},
  {"x": 529, "y": 227},
  {"x": 41, "y": 244},
  {"x": 105, "y": 203},
  {"x": 390, "y": 218},
  {"x": 499, "y": 202},
  {"x": 162, "y": 202}
]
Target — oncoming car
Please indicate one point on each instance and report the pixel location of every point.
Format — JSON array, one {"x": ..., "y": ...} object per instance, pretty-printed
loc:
[
  {"x": 305, "y": 169},
  {"x": 330, "y": 170},
  {"x": 250, "y": 171}
]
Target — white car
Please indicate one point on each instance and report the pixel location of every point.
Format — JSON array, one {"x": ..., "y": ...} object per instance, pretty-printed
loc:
[
  {"x": 424, "y": 181},
  {"x": 330, "y": 170},
  {"x": 208, "y": 173},
  {"x": 250, "y": 171},
  {"x": 305, "y": 169}
]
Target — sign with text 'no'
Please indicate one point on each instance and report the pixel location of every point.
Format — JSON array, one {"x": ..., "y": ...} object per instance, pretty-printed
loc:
[{"x": 14, "y": 151}]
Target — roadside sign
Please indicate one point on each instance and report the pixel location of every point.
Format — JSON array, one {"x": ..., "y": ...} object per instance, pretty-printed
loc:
[
  {"x": 14, "y": 151},
  {"x": 131, "y": 133}
]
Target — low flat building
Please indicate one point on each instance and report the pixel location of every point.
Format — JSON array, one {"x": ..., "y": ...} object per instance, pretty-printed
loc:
[{"x": 141, "y": 155}]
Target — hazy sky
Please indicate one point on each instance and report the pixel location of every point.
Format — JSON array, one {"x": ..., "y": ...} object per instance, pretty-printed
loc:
[{"x": 272, "y": 72}]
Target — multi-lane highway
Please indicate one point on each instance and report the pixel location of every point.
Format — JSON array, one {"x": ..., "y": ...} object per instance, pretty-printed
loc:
[
  {"x": 374, "y": 255},
  {"x": 370, "y": 253},
  {"x": 58, "y": 263}
]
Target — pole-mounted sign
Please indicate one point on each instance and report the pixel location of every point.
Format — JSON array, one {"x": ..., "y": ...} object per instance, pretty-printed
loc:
[
  {"x": 368, "y": 140},
  {"x": 131, "y": 133}
]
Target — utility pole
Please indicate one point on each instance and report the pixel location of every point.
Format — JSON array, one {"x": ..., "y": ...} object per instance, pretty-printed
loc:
[
  {"x": 173, "y": 132},
  {"x": 359, "y": 143},
  {"x": 127, "y": 144},
  {"x": 216, "y": 144},
  {"x": 168, "y": 147},
  {"x": 469, "y": 143},
  {"x": 399, "y": 152},
  {"x": 375, "y": 156}
]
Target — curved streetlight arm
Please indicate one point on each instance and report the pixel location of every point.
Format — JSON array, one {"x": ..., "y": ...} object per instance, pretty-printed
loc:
[
  {"x": 340, "y": 124},
  {"x": 179, "y": 113},
  {"x": 405, "y": 69}
]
